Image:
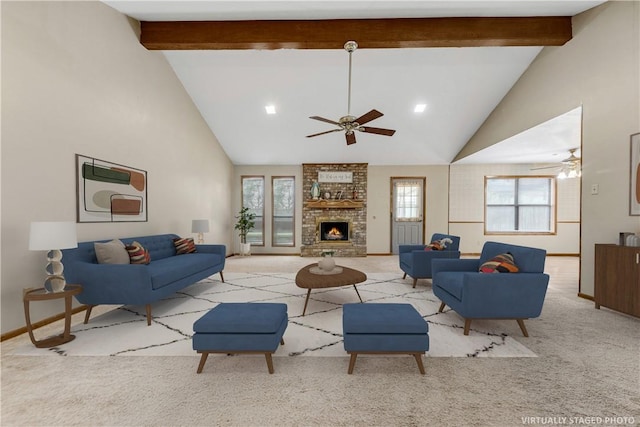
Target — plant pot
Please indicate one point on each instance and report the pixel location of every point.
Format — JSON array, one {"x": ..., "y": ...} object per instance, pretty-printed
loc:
[{"x": 245, "y": 249}]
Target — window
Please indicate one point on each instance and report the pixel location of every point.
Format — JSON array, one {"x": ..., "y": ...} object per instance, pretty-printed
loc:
[
  {"x": 408, "y": 200},
  {"x": 519, "y": 205},
  {"x": 253, "y": 198},
  {"x": 283, "y": 205}
]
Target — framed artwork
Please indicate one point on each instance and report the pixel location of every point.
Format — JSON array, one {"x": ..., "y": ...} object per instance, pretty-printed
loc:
[
  {"x": 109, "y": 192},
  {"x": 634, "y": 184}
]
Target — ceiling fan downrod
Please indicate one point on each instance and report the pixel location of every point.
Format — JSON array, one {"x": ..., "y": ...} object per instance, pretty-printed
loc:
[{"x": 350, "y": 47}]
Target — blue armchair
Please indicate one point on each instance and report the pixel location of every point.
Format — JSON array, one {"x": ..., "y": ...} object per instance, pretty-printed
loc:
[
  {"x": 475, "y": 295},
  {"x": 416, "y": 262}
]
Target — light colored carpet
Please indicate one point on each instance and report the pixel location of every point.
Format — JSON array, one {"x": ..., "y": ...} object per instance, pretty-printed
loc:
[
  {"x": 588, "y": 365},
  {"x": 124, "y": 331}
]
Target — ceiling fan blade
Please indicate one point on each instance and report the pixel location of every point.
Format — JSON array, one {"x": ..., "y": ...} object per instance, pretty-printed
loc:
[
  {"x": 322, "y": 119},
  {"x": 379, "y": 131},
  {"x": 322, "y": 133},
  {"x": 351, "y": 138},
  {"x": 371, "y": 115}
]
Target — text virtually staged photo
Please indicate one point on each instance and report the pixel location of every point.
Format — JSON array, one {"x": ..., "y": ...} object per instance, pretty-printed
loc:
[{"x": 320, "y": 214}]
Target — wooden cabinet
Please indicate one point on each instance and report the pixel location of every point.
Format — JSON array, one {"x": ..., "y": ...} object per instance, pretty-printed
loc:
[{"x": 617, "y": 278}]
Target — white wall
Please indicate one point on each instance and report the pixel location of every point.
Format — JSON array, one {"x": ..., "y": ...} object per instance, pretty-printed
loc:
[
  {"x": 75, "y": 79},
  {"x": 379, "y": 202},
  {"x": 466, "y": 210},
  {"x": 600, "y": 70}
]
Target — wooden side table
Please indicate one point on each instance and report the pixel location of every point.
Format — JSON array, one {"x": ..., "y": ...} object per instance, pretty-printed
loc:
[{"x": 41, "y": 294}]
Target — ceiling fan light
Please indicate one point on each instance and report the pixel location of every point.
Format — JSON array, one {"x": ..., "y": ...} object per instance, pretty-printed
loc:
[{"x": 562, "y": 175}]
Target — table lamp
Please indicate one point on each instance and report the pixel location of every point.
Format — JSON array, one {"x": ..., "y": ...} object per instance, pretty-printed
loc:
[
  {"x": 200, "y": 226},
  {"x": 51, "y": 237}
]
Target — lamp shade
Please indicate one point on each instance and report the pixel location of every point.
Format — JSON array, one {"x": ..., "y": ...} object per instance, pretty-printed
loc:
[
  {"x": 45, "y": 236},
  {"x": 200, "y": 226}
]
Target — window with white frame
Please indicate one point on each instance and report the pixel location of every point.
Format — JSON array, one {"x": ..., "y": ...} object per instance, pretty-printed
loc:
[
  {"x": 408, "y": 200},
  {"x": 283, "y": 215},
  {"x": 520, "y": 205},
  {"x": 253, "y": 198}
]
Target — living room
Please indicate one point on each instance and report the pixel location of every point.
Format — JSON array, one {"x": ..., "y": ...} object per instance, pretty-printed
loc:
[{"x": 76, "y": 80}]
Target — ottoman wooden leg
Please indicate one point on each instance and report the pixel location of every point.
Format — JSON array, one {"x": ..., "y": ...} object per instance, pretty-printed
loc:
[
  {"x": 269, "y": 362},
  {"x": 352, "y": 362},
  {"x": 203, "y": 359},
  {"x": 418, "y": 357}
]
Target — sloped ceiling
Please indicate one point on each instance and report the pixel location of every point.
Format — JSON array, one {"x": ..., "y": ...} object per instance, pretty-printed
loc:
[{"x": 460, "y": 86}]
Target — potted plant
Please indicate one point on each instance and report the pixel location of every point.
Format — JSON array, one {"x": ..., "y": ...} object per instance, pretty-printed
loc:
[{"x": 244, "y": 225}]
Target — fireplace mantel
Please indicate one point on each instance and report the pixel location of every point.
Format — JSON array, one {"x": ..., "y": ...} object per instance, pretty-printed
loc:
[{"x": 335, "y": 204}]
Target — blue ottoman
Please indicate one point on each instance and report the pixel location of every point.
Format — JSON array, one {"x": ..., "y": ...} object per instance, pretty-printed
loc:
[
  {"x": 240, "y": 328},
  {"x": 384, "y": 329}
]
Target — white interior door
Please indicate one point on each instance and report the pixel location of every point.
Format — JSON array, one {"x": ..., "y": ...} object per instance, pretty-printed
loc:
[{"x": 407, "y": 212}]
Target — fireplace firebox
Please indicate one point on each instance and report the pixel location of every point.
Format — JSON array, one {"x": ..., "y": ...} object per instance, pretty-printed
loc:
[{"x": 333, "y": 231}]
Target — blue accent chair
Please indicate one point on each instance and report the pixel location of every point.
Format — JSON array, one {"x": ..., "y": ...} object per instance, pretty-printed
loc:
[
  {"x": 416, "y": 262},
  {"x": 474, "y": 295}
]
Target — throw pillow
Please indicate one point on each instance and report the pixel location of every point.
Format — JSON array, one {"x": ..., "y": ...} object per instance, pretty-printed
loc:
[
  {"x": 434, "y": 246},
  {"x": 503, "y": 263},
  {"x": 138, "y": 254},
  {"x": 184, "y": 245},
  {"x": 112, "y": 252}
]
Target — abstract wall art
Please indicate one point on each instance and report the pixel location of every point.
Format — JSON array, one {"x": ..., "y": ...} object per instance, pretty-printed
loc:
[
  {"x": 109, "y": 192},
  {"x": 634, "y": 184}
]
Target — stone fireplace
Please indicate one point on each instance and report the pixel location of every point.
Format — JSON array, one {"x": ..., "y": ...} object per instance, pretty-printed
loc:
[{"x": 337, "y": 220}]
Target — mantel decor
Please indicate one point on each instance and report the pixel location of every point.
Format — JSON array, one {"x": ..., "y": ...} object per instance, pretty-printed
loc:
[
  {"x": 634, "y": 183},
  {"x": 335, "y": 176},
  {"x": 334, "y": 204},
  {"x": 109, "y": 192}
]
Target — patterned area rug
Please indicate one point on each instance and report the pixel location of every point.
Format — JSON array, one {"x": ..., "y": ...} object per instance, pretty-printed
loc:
[{"x": 124, "y": 332}]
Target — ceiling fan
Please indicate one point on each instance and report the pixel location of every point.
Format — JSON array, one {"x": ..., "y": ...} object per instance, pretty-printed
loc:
[
  {"x": 569, "y": 167},
  {"x": 349, "y": 124}
]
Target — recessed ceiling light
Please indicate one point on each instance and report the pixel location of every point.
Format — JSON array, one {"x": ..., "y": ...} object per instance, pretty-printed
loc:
[
  {"x": 270, "y": 109},
  {"x": 420, "y": 108}
]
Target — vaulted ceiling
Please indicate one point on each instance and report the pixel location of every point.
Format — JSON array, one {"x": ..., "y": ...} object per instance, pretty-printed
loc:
[{"x": 233, "y": 67}]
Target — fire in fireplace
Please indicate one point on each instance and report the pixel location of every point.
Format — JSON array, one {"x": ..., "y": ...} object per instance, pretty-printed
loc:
[{"x": 332, "y": 231}]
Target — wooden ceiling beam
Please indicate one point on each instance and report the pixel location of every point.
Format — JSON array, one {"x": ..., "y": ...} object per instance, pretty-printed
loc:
[{"x": 369, "y": 33}]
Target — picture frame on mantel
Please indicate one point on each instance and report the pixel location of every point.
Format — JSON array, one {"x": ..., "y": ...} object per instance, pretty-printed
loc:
[{"x": 634, "y": 176}]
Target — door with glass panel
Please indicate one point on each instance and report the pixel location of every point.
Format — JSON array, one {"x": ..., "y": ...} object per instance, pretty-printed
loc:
[{"x": 407, "y": 212}]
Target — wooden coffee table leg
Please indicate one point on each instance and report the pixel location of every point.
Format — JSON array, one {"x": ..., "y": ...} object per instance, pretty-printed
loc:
[
  {"x": 306, "y": 302},
  {"x": 354, "y": 287}
]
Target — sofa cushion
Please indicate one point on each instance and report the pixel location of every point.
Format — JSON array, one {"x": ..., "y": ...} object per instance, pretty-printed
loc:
[
  {"x": 503, "y": 263},
  {"x": 184, "y": 245},
  {"x": 138, "y": 254},
  {"x": 112, "y": 252},
  {"x": 165, "y": 271}
]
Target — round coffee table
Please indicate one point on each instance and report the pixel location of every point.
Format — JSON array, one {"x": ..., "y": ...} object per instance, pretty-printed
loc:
[{"x": 308, "y": 280}]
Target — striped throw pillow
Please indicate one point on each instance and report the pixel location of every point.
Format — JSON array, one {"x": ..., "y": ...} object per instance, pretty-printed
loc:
[
  {"x": 138, "y": 254},
  {"x": 184, "y": 245},
  {"x": 503, "y": 263}
]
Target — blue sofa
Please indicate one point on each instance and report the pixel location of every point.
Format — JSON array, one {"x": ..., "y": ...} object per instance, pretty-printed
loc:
[
  {"x": 139, "y": 284},
  {"x": 475, "y": 295},
  {"x": 416, "y": 262}
]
